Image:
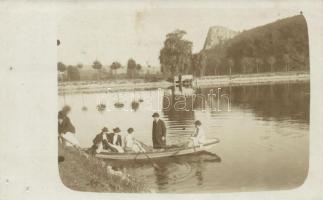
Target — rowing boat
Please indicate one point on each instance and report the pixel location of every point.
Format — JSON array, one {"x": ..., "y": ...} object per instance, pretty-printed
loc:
[{"x": 157, "y": 154}]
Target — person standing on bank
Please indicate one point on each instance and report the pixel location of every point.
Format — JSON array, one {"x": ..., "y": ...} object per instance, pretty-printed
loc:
[
  {"x": 64, "y": 123},
  {"x": 66, "y": 129},
  {"x": 158, "y": 132}
]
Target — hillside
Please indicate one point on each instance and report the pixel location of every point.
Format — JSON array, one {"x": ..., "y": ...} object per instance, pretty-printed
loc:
[
  {"x": 217, "y": 35},
  {"x": 278, "y": 46}
]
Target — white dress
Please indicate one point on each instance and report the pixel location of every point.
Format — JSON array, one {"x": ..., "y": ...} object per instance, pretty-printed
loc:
[
  {"x": 132, "y": 144},
  {"x": 198, "y": 137}
]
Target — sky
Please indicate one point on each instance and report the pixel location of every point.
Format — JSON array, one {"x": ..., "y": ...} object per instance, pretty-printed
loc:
[{"x": 116, "y": 31}]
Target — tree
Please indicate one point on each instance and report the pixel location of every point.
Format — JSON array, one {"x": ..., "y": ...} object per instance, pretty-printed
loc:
[
  {"x": 287, "y": 60},
  {"x": 198, "y": 63},
  {"x": 271, "y": 60},
  {"x": 216, "y": 62},
  {"x": 131, "y": 68},
  {"x": 138, "y": 68},
  {"x": 259, "y": 62},
  {"x": 61, "y": 68},
  {"x": 73, "y": 73},
  {"x": 202, "y": 62},
  {"x": 230, "y": 65},
  {"x": 244, "y": 64},
  {"x": 97, "y": 66},
  {"x": 247, "y": 63},
  {"x": 175, "y": 56},
  {"x": 195, "y": 63},
  {"x": 114, "y": 67},
  {"x": 80, "y": 65}
]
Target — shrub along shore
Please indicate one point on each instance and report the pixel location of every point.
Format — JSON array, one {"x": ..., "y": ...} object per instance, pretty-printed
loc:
[
  {"x": 224, "y": 80},
  {"x": 82, "y": 172}
]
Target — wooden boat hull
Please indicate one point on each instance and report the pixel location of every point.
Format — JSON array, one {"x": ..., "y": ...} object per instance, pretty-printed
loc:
[{"x": 157, "y": 154}]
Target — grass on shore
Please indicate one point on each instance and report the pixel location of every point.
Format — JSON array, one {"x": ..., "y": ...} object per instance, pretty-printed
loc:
[{"x": 81, "y": 172}]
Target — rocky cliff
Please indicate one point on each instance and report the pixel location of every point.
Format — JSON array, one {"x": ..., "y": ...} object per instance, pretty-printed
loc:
[
  {"x": 216, "y": 35},
  {"x": 275, "y": 47}
]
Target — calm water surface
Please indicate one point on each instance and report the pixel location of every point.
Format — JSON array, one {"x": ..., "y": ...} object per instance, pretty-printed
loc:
[{"x": 264, "y": 135}]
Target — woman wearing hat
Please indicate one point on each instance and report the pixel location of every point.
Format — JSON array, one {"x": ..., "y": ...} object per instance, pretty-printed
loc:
[{"x": 198, "y": 137}]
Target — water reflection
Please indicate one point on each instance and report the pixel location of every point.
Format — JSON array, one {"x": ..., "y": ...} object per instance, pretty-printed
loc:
[
  {"x": 275, "y": 101},
  {"x": 164, "y": 173},
  {"x": 178, "y": 106},
  {"x": 264, "y": 137}
]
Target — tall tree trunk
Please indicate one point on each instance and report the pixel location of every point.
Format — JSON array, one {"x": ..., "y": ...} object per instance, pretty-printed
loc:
[
  {"x": 271, "y": 68},
  {"x": 230, "y": 72}
]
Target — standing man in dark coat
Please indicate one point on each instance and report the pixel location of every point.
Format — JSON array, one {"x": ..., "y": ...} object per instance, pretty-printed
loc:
[{"x": 158, "y": 132}]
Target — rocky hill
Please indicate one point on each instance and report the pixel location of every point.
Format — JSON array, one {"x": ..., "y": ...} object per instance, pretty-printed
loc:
[
  {"x": 278, "y": 46},
  {"x": 217, "y": 35}
]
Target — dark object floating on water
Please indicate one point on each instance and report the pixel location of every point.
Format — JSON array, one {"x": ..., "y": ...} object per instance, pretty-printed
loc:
[
  {"x": 141, "y": 100},
  {"x": 118, "y": 105},
  {"x": 84, "y": 108},
  {"x": 101, "y": 107},
  {"x": 134, "y": 105},
  {"x": 183, "y": 128}
]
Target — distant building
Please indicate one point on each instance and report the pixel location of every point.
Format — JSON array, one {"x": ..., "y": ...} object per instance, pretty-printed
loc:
[{"x": 183, "y": 80}]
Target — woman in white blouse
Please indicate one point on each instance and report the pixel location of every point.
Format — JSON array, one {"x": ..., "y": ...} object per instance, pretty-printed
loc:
[{"x": 198, "y": 137}]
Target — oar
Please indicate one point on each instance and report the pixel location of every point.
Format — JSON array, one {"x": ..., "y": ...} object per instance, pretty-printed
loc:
[
  {"x": 83, "y": 150},
  {"x": 149, "y": 158}
]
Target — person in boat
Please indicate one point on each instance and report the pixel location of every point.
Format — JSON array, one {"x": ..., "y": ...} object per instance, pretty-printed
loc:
[
  {"x": 158, "y": 132},
  {"x": 131, "y": 144},
  {"x": 115, "y": 140},
  {"x": 198, "y": 136},
  {"x": 115, "y": 137},
  {"x": 100, "y": 141}
]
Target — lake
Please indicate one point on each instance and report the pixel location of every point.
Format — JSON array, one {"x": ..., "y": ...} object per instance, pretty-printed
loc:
[{"x": 263, "y": 132}]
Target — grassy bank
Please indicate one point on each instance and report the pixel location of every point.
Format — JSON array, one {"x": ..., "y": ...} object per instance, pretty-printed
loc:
[
  {"x": 81, "y": 172},
  {"x": 235, "y": 79}
]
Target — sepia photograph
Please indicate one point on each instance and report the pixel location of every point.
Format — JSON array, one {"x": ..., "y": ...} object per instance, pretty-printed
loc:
[{"x": 182, "y": 100}]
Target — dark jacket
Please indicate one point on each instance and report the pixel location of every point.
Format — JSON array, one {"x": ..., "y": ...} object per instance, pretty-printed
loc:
[
  {"x": 119, "y": 139},
  {"x": 99, "y": 138},
  {"x": 159, "y": 131},
  {"x": 66, "y": 125}
]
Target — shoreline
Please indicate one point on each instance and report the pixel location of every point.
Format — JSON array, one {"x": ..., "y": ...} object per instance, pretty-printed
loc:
[
  {"x": 82, "y": 172},
  {"x": 223, "y": 80}
]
